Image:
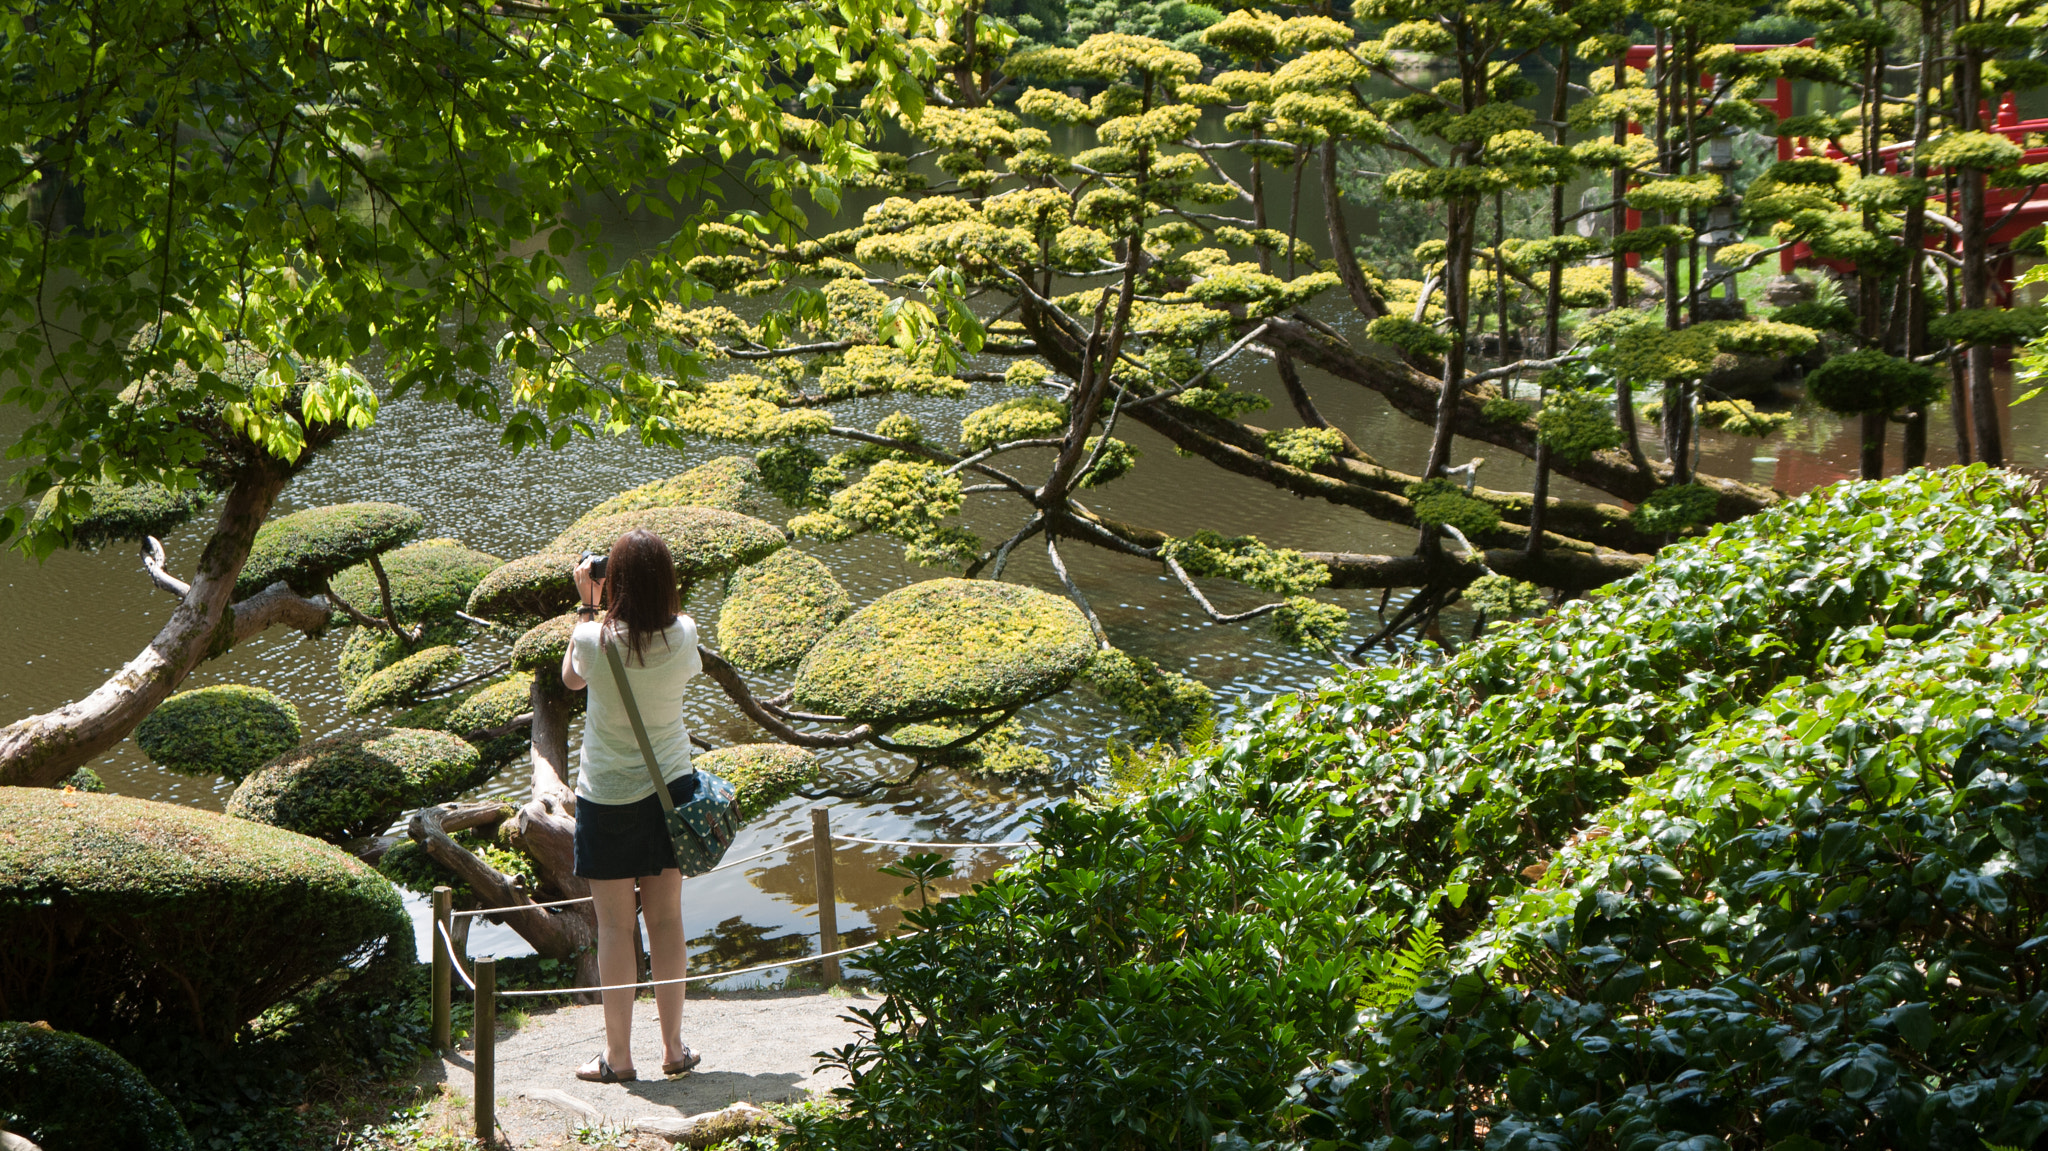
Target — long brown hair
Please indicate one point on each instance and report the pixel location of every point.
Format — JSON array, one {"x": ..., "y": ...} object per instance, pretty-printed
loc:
[{"x": 640, "y": 590}]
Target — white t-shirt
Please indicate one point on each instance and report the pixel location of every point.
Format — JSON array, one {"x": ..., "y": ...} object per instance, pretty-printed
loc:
[{"x": 611, "y": 769}]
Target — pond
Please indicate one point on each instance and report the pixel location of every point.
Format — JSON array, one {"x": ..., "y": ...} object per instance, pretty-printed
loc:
[{"x": 76, "y": 617}]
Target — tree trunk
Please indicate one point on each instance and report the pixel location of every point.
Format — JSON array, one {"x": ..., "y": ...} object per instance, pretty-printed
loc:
[
  {"x": 1976, "y": 277},
  {"x": 1457, "y": 306},
  {"x": 42, "y": 749},
  {"x": 1363, "y": 297}
]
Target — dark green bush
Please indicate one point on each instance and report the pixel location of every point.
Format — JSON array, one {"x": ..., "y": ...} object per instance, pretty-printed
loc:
[
  {"x": 946, "y": 647},
  {"x": 304, "y": 548},
  {"x": 347, "y": 786},
  {"x": 430, "y": 580},
  {"x": 1870, "y": 381},
  {"x": 492, "y": 707},
  {"x": 1439, "y": 501},
  {"x": 541, "y": 649},
  {"x": 120, "y": 916},
  {"x": 64, "y": 1092},
  {"x": 1675, "y": 508},
  {"x": 404, "y": 679},
  {"x": 704, "y": 541},
  {"x": 121, "y": 515},
  {"x": 369, "y": 650},
  {"x": 526, "y": 590},
  {"x": 228, "y": 730},
  {"x": 762, "y": 774},
  {"x": 776, "y": 609}
]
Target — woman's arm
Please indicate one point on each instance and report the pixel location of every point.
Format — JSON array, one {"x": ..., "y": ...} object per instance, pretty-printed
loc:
[{"x": 587, "y": 592}]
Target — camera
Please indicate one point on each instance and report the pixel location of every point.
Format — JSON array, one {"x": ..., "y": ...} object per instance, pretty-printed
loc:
[{"x": 597, "y": 561}]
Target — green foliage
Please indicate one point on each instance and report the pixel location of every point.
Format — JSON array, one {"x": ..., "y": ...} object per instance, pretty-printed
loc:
[
  {"x": 1304, "y": 448},
  {"x": 1410, "y": 336},
  {"x": 527, "y": 589},
  {"x": 945, "y": 647},
  {"x": 1989, "y": 326},
  {"x": 1675, "y": 508},
  {"x": 347, "y": 786},
  {"x": 1112, "y": 460},
  {"x": 369, "y": 650},
  {"x": 430, "y": 580},
  {"x": 404, "y": 679},
  {"x": 1742, "y": 418},
  {"x": 1282, "y": 571},
  {"x": 1309, "y": 623},
  {"x": 1164, "y": 704},
  {"x": 1439, "y": 501},
  {"x": 1575, "y": 424},
  {"x": 85, "y": 779},
  {"x": 62, "y": 1091},
  {"x": 490, "y": 707},
  {"x": 1504, "y": 597},
  {"x": 542, "y": 647},
  {"x": 1870, "y": 381},
  {"x": 762, "y": 774},
  {"x": 905, "y": 499},
  {"x": 728, "y": 483},
  {"x": 120, "y": 916},
  {"x": 703, "y": 541},
  {"x": 99, "y": 514},
  {"x": 304, "y": 548},
  {"x": 776, "y": 609},
  {"x": 228, "y": 730},
  {"x": 997, "y": 753},
  {"x": 1017, "y": 418},
  {"x": 786, "y": 471}
]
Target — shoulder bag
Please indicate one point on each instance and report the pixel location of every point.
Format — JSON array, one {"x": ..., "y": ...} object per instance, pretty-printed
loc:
[{"x": 701, "y": 829}]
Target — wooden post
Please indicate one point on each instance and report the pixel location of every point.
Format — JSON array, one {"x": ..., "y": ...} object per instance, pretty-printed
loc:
[
  {"x": 486, "y": 972},
  {"x": 828, "y": 895},
  {"x": 443, "y": 963}
]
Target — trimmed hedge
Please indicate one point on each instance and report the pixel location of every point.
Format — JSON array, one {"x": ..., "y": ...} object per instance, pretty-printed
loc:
[
  {"x": 704, "y": 541},
  {"x": 123, "y": 515},
  {"x": 64, "y": 1092},
  {"x": 526, "y": 590},
  {"x": 228, "y": 730},
  {"x": 404, "y": 679},
  {"x": 728, "y": 483},
  {"x": 946, "y": 647},
  {"x": 120, "y": 915},
  {"x": 775, "y": 610},
  {"x": 347, "y": 786},
  {"x": 541, "y": 649},
  {"x": 430, "y": 580},
  {"x": 369, "y": 650},
  {"x": 762, "y": 774},
  {"x": 495, "y": 706},
  {"x": 305, "y": 547}
]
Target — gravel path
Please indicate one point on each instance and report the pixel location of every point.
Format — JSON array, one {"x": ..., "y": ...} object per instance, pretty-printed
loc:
[{"x": 759, "y": 1047}]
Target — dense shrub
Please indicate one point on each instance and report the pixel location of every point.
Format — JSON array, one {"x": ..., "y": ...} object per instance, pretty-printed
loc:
[
  {"x": 369, "y": 650},
  {"x": 542, "y": 647},
  {"x": 776, "y": 609},
  {"x": 728, "y": 483},
  {"x": 526, "y": 590},
  {"x": 762, "y": 774},
  {"x": 403, "y": 679},
  {"x": 347, "y": 786},
  {"x": 120, "y": 916},
  {"x": 946, "y": 646},
  {"x": 64, "y": 1092},
  {"x": 228, "y": 730},
  {"x": 490, "y": 707},
  {"x": 703, "y": 541},
  {"x": 304, "y": 548},
  {"x": 430, "y": 580},
  {"x": 123, "y": 514}
]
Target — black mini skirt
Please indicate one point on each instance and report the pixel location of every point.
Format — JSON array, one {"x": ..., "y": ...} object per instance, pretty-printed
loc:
[{"x": 627, "y": 840}]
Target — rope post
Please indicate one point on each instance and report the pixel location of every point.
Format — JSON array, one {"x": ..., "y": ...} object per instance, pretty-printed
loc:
[
  {"x": 828, "y": 895},
  {"x": 443, "y": 962},
  {"x": 486, "y": 1049}
]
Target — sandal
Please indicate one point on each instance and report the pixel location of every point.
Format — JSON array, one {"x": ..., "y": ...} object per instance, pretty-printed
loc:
[
  {"x": 691, "y": 1057},
  {"x": 605, "y": 1074}
]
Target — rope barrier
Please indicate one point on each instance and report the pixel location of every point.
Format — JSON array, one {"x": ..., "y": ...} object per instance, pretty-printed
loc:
[
  {"x": 691, "y": 978},
  {"x": 516, "y": 909},
  {"x": 912, "y": 843},
  {"x": 452, "y": 960}
]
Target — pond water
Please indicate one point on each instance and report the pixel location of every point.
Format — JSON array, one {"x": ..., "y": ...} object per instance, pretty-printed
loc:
[{"x": 74, "y": 618}]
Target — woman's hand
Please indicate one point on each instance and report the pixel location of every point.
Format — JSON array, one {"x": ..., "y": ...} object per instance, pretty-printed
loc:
[{"x": 587, "y": 589}]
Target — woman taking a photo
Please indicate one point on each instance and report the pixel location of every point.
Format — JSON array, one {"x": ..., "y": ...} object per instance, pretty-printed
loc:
[{"x": 622, "y": 843}]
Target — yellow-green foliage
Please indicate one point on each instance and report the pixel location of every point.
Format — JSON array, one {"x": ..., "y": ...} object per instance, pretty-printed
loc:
[
  {"x": 1111, "y": 461},
  {"x": 1046, "y": 104},
  {"x": 776, "y": 609},
  {"x": 1309, "y": 623},
  {"x": 227, "y": 730},
  {"x": 404, "y": 679},
  {"x": 123, "y": 917},
  {"x": 1648, "y": 352},
  {"x": 304, "y": 548},
  {"x": 1261, "y": 294},
  {"x": 945, "y": 647},
  {"x": 369, "y": 650},
  {"x": 762, "y": 774},
  {"x": 1408, "y": 335},
  {"x": 1973, "y": 150},
  {"x": 1164, "y": 704},
  {"x": 999, "y": 752},
  {"x": 542, "y": 647},
  {"x": 63, "y": 1090},
  {"x": 728, "y": 483},
  {"x": 1742, "y": 418},
  {"x": 1503, "y": 597},
  {"x": 1439, "y": 501},
  {"x": 1019, "y": 418},
  {"x": 703, "y": 541},
  {"x": 1574, "y": 425},
  {"x": 1282, "y": 571},
  {"x": 527, "y": 589},
  {"x": 1026, "y": 374},
  {"x": 746, "y": 409},
  {"x": 347, "y": 786},
  {"x": 98, "y": 514},
  {"x": 879, "y": 370},
  {"x": 1677, "y": 193},
  {"x": 1675, "y": 508},
  {"x": 1304, "y": 448},
  {"x": 906, "y": 499},
  {"x": 491, "y": 707},
  {"x": 430, "y": 580}
]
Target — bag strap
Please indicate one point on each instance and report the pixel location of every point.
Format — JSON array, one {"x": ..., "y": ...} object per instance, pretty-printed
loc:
[{"x": 611, "y": 654}]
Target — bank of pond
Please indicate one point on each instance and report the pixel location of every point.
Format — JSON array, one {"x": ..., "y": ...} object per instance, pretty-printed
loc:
[{"x": 1746, "y": 850}]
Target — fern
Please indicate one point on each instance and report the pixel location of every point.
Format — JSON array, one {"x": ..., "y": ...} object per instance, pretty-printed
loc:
[{"x": 1407, "y": 969}]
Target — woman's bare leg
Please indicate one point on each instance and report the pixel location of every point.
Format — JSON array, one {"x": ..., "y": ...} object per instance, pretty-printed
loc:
[
  {"x": 661, "y": 902},
  {"x": 616, "y": 929}
]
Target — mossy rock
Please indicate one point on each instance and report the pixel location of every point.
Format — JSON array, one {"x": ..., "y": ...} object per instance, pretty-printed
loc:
[
  {"x": 776, "y": 609},
  {"x": 229, "y": 730},
  {"x": 348, "y": 786},
  {"x": 527, "y": 590},
  {"x": 369, "y": 650},
  {"x": 704, "y": 541},
  {"x": 123, "y": 514},
  {"x": 304, "y": 548},
  {"x": 493, "y": 707},
  {"x": 64, "y": 1092},
  {"x": 946, "y": 647},
  {"x": 998, "y": 752},
  {"x": 728, "y": 483},
  {"x": 404, "y": 679},
  {"x": 762, "y": 774},
  {"x": 430, "y": 580},
  {"x": 541, "y": 649},
  {"x": 120, "y": 916}
]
